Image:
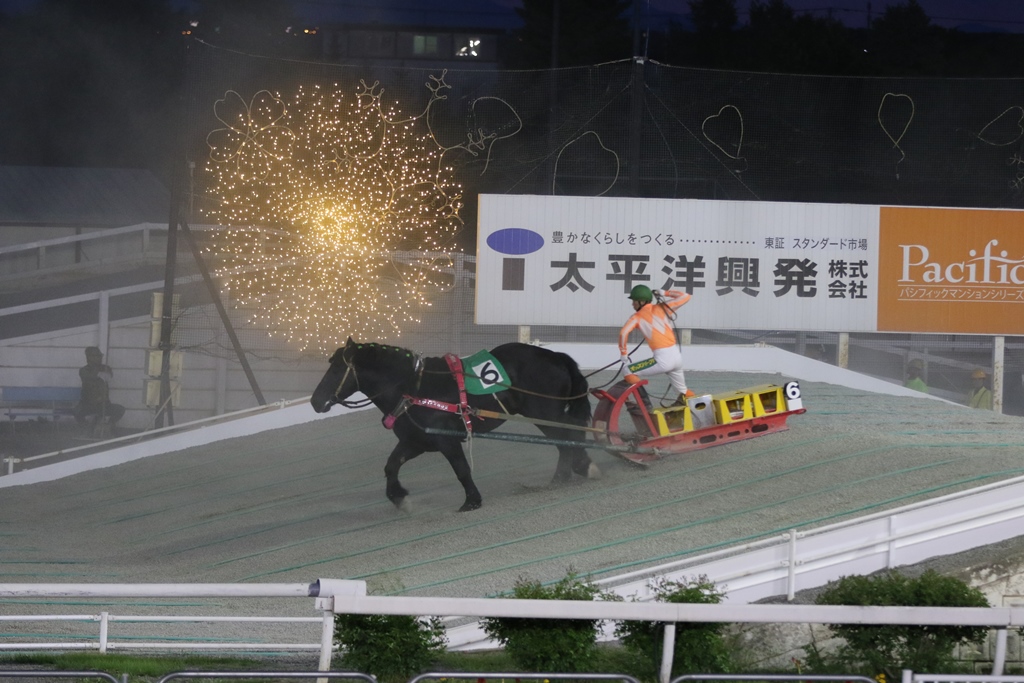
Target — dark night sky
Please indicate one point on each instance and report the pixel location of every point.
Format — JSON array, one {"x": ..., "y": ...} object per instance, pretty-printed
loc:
[{"x": 967, "y": 15}]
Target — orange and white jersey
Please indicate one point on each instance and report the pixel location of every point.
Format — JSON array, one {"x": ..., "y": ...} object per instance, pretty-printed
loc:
[{"x": 652, "y": 320}]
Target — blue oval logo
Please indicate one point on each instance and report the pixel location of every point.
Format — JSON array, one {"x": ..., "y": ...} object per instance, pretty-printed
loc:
[{"x": 515, "y": 241}]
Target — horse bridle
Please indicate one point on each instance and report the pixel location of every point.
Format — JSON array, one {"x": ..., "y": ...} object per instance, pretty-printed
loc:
[{"x": 349, "y": 368}]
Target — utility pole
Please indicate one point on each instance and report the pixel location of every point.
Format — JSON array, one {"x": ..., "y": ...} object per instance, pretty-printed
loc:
[{"x": 553, "y": 143}]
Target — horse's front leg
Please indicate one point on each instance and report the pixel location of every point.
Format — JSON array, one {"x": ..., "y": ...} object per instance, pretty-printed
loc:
[
  {"x": 397, "y": 493},
  {"x": 452, "y": 451}
]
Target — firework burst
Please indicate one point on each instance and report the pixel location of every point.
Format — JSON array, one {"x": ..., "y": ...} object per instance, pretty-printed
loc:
[{"x": 318, "y": 195}]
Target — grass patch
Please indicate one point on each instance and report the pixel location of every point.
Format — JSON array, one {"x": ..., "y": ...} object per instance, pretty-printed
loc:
[
  {"x": 610, "y": 660},
  {"x": 133, "y": 665}
]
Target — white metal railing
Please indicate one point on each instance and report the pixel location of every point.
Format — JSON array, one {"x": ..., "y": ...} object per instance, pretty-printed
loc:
[
  {"x": 321, "y": 676},
  {"x": 796, "y": 678},
  {"x": 913, "y": 677},
  {"x": 104, "y": 643},
  {"x": 999, "y": 618},
  {"x": 41, "y": 246},
  {"x": 323, "y": 590},
  {"x": 10, "y": 462},
  {"x": 93, "y": 296},
  {"x": 102, "y": 675},
  {"x": 348, "y": 597},
  {"x": 549, "y": 676}
]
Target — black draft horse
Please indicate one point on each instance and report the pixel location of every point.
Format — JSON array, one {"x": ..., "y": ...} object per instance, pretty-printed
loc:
[{"x": 543, "y": 385}]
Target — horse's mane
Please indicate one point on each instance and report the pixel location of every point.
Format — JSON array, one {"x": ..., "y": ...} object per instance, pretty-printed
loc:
[{"x": 386, "y": 352}]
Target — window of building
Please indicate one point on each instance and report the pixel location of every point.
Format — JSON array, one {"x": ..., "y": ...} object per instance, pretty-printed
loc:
[
  {"x": 372, "y": 43},
  {"x": 424, "y": 45}
]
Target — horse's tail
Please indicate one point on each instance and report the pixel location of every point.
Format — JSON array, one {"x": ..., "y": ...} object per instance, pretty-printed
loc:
[{"x": 577, "y": 410}]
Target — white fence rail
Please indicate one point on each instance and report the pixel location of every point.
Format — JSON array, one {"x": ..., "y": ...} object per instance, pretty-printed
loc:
[
  {"x": 9, "y": 462},
  {"x": 105, "y": 642},
  {"x": 913, "y": 677},
  {"x": 348, "y": 597},
  {"x": 117, "y": 242},
  {"x": 323, "y": 590}
]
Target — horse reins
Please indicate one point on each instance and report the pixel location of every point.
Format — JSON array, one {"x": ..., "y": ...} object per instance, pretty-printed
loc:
[
  {"x": 350, "y": 367},
  {"x": 344, "y": 402}
]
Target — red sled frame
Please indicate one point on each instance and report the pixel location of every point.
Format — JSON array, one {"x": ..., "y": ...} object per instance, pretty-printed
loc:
[{"x": 652, "y": 444}]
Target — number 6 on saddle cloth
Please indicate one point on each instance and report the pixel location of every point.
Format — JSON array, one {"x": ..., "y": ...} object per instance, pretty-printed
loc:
[{"x": 477, "y": 375}]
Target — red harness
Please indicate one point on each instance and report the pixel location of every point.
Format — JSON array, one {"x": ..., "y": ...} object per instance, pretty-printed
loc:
[{"x": 462, "y": 408}]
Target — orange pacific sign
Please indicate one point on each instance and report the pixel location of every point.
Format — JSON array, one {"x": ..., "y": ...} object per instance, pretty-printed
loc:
[{"x": 951, "y": 271}]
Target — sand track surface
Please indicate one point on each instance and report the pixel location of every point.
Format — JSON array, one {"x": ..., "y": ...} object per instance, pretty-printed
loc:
[{"x": 307, "y": 501}]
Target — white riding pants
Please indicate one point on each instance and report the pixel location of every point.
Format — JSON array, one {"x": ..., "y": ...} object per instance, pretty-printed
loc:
[{"x": 670, "y": 362}]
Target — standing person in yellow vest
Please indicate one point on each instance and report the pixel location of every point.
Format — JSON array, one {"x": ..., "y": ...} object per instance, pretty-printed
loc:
[
  {"x": 654, "y": 320},
  {"x": 980, "y": 396},
  {"x": 915, "y": 378}
]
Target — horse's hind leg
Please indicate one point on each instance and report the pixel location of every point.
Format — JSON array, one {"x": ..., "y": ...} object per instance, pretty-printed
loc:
[
  {"x": 571, "y": 458},
  {"x": 583, "y": 465},
  {"x": 452, "y": 451},
  {"x": 397, "y": 493}
]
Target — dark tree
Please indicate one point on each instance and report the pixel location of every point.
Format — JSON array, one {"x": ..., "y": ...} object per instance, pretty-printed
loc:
[
  {"x": 713, "y": 43},
  {"x": 713, "y": 16},
  {"x": 904, "y": 42},
  {"x": 94, "y": 83},
  {"x": 782, "y": 42},
  {"x": 585, "y": 32}
]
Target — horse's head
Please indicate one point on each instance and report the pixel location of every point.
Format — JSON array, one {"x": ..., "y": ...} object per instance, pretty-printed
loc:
[{"x": 341, "y": 380}]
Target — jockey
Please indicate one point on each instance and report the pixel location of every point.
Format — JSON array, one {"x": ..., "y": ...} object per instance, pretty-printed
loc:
[{"x": 655, "y": 322}]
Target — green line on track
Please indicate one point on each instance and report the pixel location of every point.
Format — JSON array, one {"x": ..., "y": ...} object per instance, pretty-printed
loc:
[
  {"x": 513, "y": 515},
  {"x": 620, "y": 514}
]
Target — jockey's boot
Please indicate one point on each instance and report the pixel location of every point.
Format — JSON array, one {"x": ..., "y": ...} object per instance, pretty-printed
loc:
[{"x": 681, "y": 401}]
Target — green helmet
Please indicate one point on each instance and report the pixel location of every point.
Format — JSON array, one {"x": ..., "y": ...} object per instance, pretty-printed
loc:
[{"x": 641, "y": 293}]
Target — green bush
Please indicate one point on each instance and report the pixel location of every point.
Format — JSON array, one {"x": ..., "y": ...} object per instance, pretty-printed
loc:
[
  {"x": 549, "y": 645},
  {"x": 699, "y": 648},
  {"x": 391, "y": 647},
  {"x": 871, "y": 650}
]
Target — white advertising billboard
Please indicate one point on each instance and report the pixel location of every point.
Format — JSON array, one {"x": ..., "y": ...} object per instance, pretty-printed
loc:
[{"x": 548, "y": 260}]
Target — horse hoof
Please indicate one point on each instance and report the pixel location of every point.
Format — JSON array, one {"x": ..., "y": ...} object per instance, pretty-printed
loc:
[
  {"x": 593, "y": 472},
  {"x": 403, "y": 505},
  {"x": 471, "y": 505}
]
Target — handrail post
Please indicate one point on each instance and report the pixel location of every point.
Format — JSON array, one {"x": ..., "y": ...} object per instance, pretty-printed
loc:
[
  {"x": 791, "y": 575},
  {"x": 668, "y": 652},
  {"x": 326, "y": 636},
  {"x": 104, "y": 628},
  {"x": 103, "y": 322},
  {"x": 908, "y": 676},
  {"x": 890, "y": 560},
  {"x": 999, "y": 658}
]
